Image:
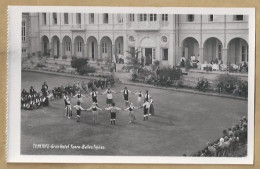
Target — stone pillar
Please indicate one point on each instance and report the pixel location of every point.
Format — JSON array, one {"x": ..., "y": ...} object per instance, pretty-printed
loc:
[
  {"x": 51, "y": 50},
  {"x": 224, "y": 56},
  {"x": 201, "y": 55},
  {"x": 98, "y": 52},
  {"x": 86, "y": 50},
  {"x": 125, "y": 48},
  {"x": 61, "y": 50},
  {"x": 113, "y": 57},
  {"x": 73, "y": 50}
]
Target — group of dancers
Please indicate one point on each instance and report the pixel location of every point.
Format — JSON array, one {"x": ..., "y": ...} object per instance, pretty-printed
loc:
[{"x": 144, "y": 100}]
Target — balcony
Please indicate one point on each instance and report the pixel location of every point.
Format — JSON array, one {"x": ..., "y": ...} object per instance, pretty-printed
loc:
[
  {"x": 78, "y": 27},
  {"x": 145, "y": 26}
]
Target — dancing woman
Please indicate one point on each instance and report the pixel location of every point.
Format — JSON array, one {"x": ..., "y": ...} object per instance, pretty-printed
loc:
[
  {"x": 109, "y": 96},
  {"x": 79, "y": 96},
  {"x": 139, "y": 97},
  {"x": 113, "y": 111},
  {"x": 130, "y": 108},
  {"x": 94, "y": 107},
  {"x": 68, "y": 109}
]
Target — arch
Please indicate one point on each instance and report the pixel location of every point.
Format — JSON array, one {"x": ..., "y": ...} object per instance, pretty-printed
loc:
[
  {"x": 92, "y": 47},
  {"x": 79, "y": 46},
  {"x": 106, "y": 48},
  {"x": 55, "y": 46},
  {"x": 45, "y": 45},
  {"x": 119, "y": 48},
  {"x": 190, "y": 47},
  {"x": 147, "y": 42},
  {"x": 67, "y": 46},
  {"x": 237, "y": 51},
  {"x": 212, "y": 50}
]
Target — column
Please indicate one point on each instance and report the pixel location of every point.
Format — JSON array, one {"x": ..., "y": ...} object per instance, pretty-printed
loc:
[
  {"x": 61, "y": 50},
  {"x": 51, "y": 50},
  {"x": 113, "y": 57},
  {"x": 201, "y": 57},
  {"x": 224, "y": 56},
  {"x": 86, "y": 51},
  {"x": 125, "y": 47},
  {"x": 73, "y": 50},
  {"x": 98, "y": 52}
]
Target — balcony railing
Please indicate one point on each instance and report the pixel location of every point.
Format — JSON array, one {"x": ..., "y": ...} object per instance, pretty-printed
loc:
[
  {"x": 144, "y": 26},
  {"x": 78, "y": 27}
]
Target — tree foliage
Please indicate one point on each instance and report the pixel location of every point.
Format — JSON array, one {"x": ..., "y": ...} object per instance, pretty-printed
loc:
[
  {"x": 78, "y": 63},
  {"x": 133, "y": 62}
]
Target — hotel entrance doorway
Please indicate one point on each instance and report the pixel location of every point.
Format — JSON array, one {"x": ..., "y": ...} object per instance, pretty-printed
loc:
[{"x": 148, "y": 56}]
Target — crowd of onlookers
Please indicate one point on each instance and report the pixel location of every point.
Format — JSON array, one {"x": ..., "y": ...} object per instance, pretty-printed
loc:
[
  {"x": 230, "y": 141},
  {"x": 33, "y": 99},
  {"x": 213, "y": 65}
]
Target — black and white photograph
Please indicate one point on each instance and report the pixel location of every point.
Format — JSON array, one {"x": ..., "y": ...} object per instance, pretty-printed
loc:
[{"x": 131, "y": 85}]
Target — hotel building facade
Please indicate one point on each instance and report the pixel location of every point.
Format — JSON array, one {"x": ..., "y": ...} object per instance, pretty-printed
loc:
[{"x": 162, "y": 37}]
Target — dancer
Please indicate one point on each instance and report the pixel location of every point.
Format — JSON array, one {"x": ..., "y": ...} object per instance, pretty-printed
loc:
[
  {"x": 109, "y": 96},
  {"x": 68, "y": 112},
  {"x": 146, "y": 106},
  {"x": 132, "y": 117},
  {"x": 79, "y": 96},
  {"x": 94, "y": 107},
  {"x": 151, "y": 109},
  {"x": 94, "y": 95},
  {"x": 113, "y": 110},
  {"x": 126, "y": 94},
  {"x": 146, "y": 96},
  {"x": 78, "y": 108},
  {"x": 139, "y": 98}
]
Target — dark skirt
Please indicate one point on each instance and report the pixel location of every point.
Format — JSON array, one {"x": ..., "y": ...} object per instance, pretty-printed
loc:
[
  {"x": 94, "y": 99},
  {"x": 109, "y": 101},
  {"x": 113, "y": 115},
  {"x": 145, "y": 111},
  {"x": 78, "y": 112},
  {"x": 151, "y": 110},
  {"x": 126, "y": 97}
]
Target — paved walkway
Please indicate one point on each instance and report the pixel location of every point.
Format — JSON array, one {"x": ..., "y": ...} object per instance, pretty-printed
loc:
[{"x": 124, "y": 78}]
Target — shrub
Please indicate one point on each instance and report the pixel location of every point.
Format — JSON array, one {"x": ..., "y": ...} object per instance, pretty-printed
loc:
[
  {"x": 227, "y": 82},
  {"x": 64, "y": 57},
  {"x": 40, "y": 65},
  {"x": 156, "y": 63},
  {"x": 78, "y": 63},
  {"x": 85, "y": 69},
  {"x": 174, "y": 74},
  {"x": 55, "y": 57},
  {"x": 134, "y": 77}
]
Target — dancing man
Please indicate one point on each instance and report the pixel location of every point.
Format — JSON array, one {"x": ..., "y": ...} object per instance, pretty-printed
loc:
[
  {"x": 113, "y": 111},
  {"x": 93, "y": 94},
  {"x": 126, "y": 94},
  {"x": 146, "y": 106},
  {"x": 78, "y": 108}
]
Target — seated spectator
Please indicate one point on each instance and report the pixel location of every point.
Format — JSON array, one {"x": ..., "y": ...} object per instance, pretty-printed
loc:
[{"x": 211, "y": 149}]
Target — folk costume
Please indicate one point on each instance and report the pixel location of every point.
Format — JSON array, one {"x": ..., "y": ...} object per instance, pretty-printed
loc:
[
  {"x": 109, "y": 96},
  {"x": 94, "y": 109},
  {"x": 126, "y": 95},
  {"x": 113, "y": 112},
  {"x": 146, "y": 106},
  {"x": 78, "y": 108},
  {"x": 132, "y": 117},
  {"x": 93, "y": 94}
]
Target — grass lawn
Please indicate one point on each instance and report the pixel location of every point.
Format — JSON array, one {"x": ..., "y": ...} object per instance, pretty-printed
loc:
[{"x": 183, "y": 123}]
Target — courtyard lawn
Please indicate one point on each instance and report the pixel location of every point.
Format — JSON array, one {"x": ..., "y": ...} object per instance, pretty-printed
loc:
[{"x": 183, "y": 123}]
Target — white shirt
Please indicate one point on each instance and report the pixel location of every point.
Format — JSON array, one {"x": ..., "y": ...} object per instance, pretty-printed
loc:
[{"x": 147, "y": 104}]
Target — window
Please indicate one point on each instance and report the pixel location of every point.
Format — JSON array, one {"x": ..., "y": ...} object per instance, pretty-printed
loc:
[
  {"x": 153, "y": 53},
  {"x": 79, "y": 46},
  {"x": 119, "y": 48},
  {"x": 78, "y": 18},
  {"x": 244, "y": 53},
  {"x": 120, "y": 18},
  {"x": 67, "y": 46},
  {"x": 91, "y": 18},
  {"x": 165, "y": 54},
  {"x": 211, "y": 18},
  {"x": 153, "y": 17},
  {"x": 104, "y": 48},
  {"x": 44, "y": 19},
  {"x": 238, "y": 17},
  {"x": 54, "y": 18},
  {"x": 23, "y": 31},
  {"x": 66, "y": 18},
  {"x": 219, "y": 52},
  {"x": 190, "y": 18},
  {"x": 105, "y": 18},
  {"x": 143, "y": 17},
  {"x": 131, "y": 17},
  {"x": 24, "y": 50},
  {"x": 164, "y": 17}
]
